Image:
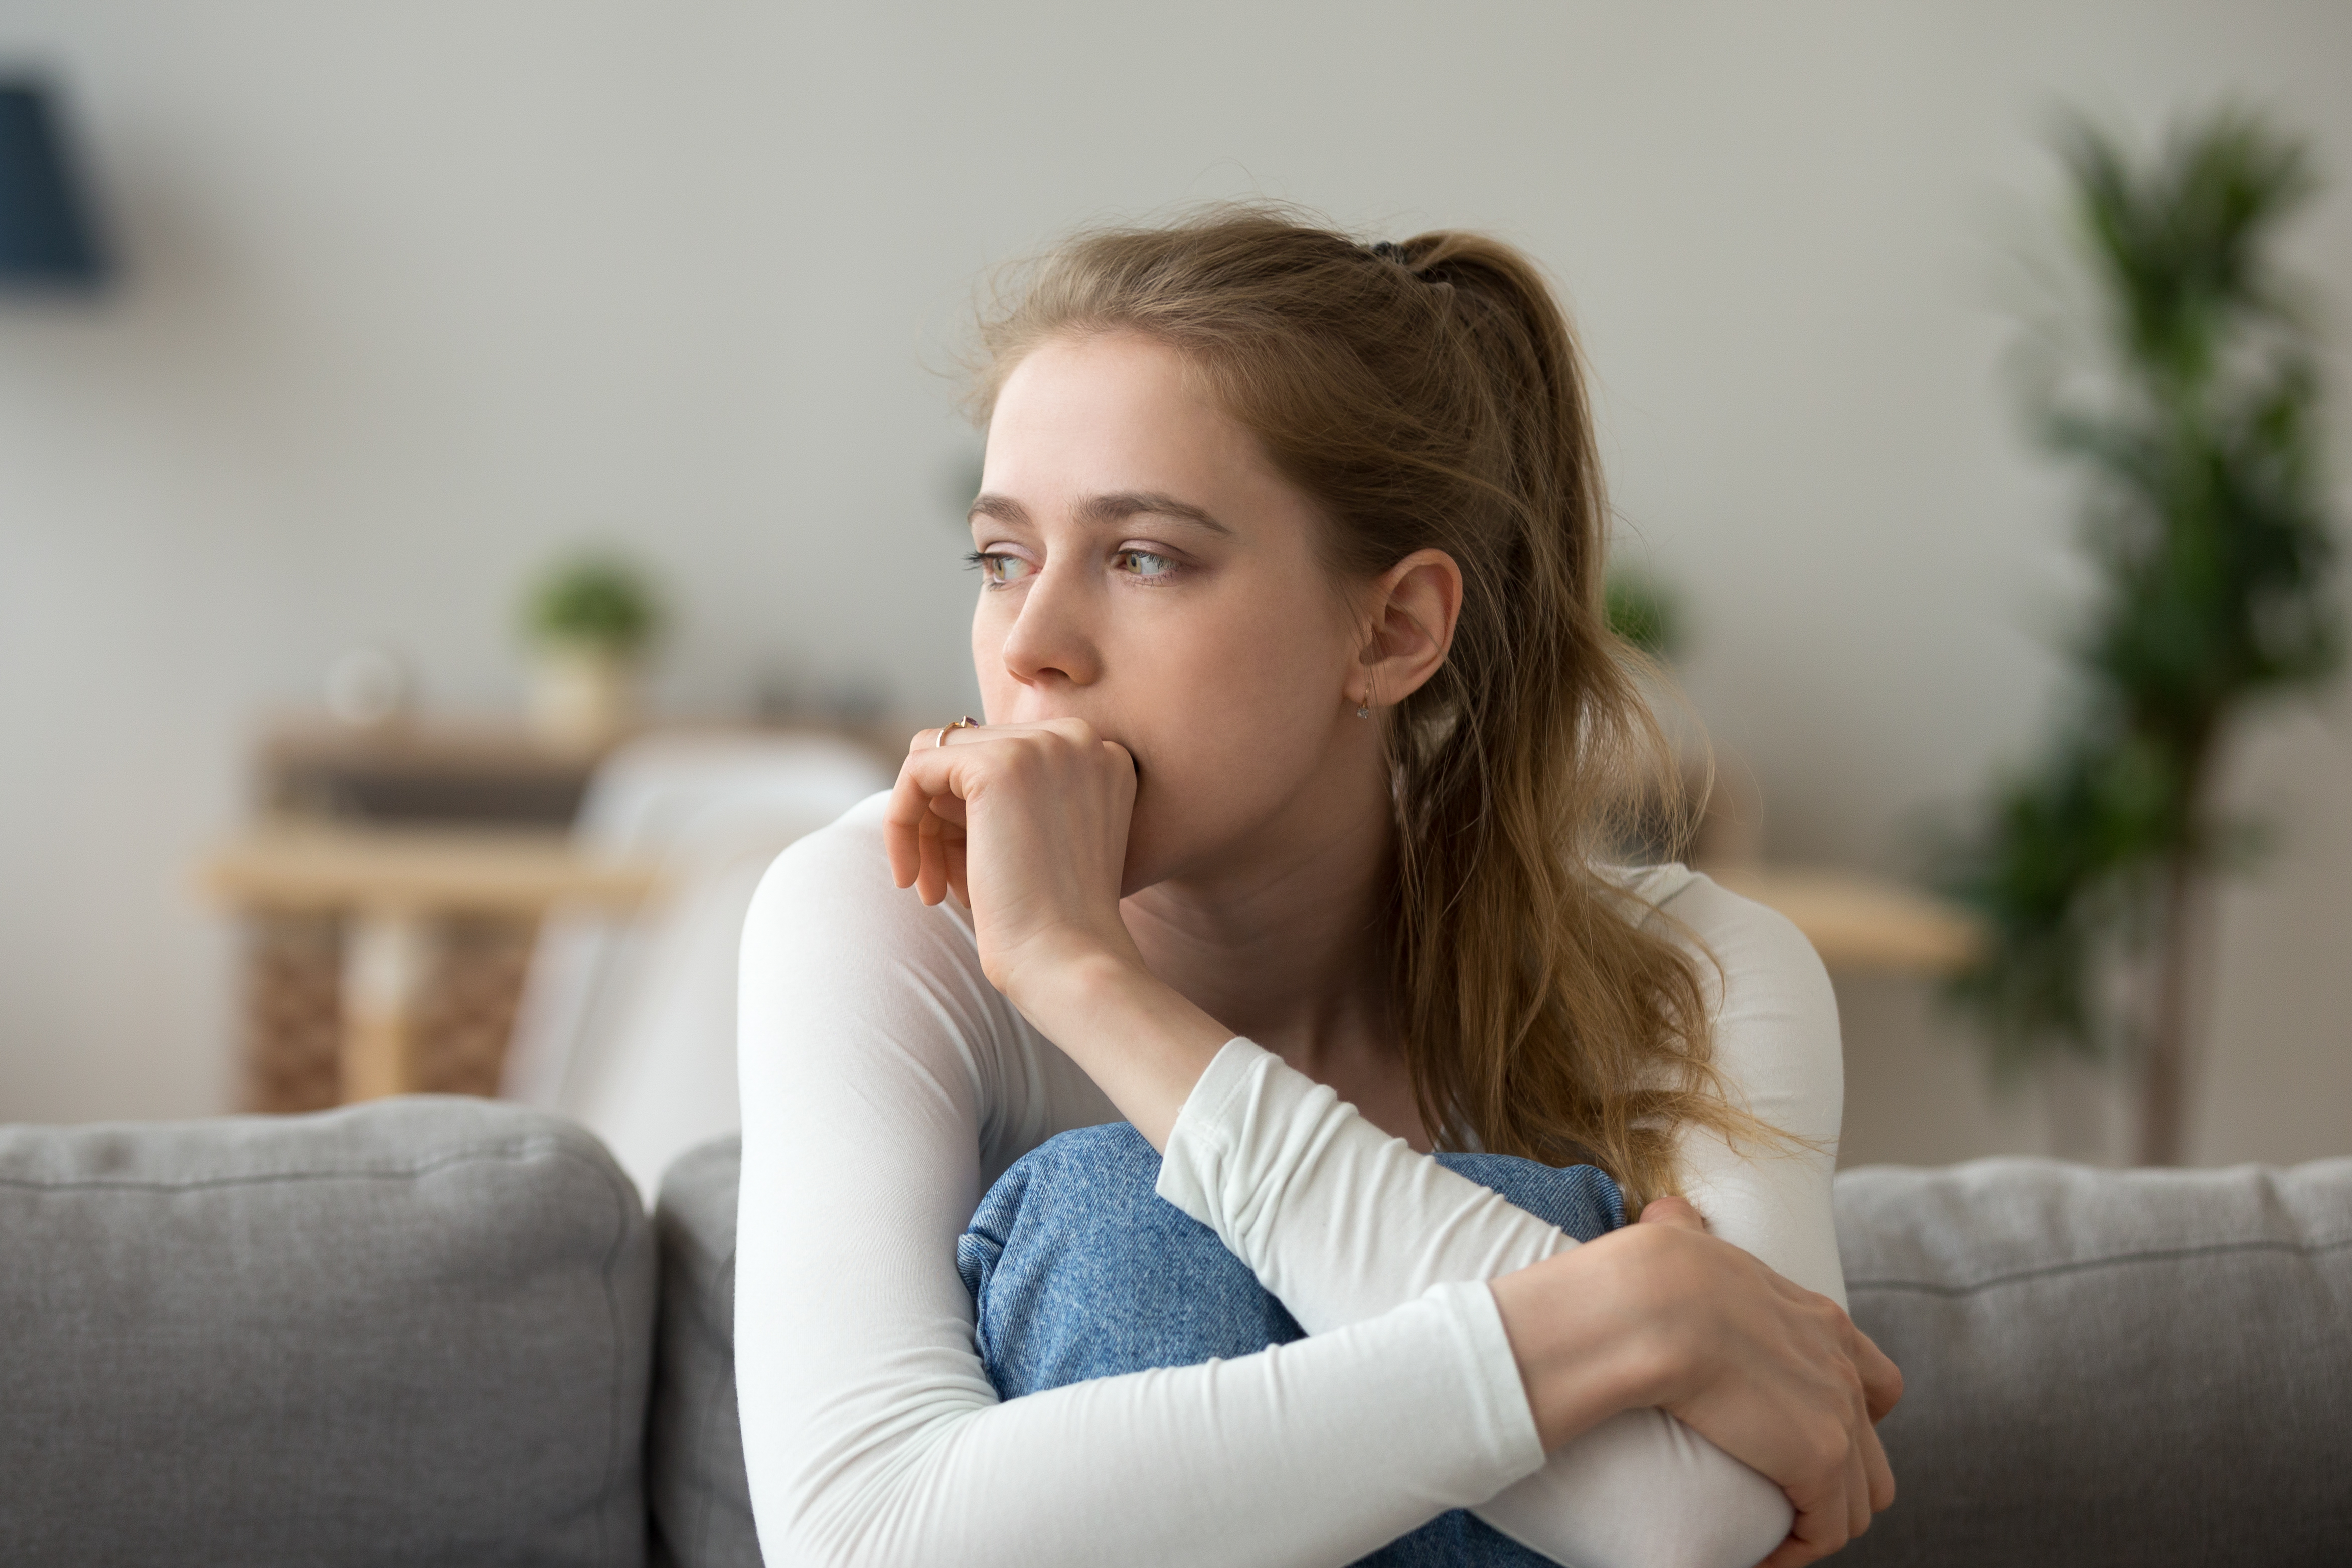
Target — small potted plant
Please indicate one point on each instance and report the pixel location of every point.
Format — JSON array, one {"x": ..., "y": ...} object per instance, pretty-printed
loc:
[{"x": 591, "y": 620}]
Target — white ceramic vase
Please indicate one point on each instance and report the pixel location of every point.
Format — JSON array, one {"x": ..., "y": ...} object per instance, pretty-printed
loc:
[{"x": 583, "y": 696}]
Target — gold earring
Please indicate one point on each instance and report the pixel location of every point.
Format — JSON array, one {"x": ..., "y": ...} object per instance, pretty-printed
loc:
[{"x": 1363, "y": 710}]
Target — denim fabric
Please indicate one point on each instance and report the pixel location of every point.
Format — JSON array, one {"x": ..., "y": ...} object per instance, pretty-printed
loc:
[{"x": 1078, "y": 1269}]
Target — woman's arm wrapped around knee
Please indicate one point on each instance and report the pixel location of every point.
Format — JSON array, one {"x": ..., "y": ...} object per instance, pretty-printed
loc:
[{"x": 1342, "y": 1221}]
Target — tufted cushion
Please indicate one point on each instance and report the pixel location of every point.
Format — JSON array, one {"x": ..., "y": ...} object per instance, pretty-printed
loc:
[
  {"x": 417, "y": 1331},
  {"x": 2143, "y": 1368}
]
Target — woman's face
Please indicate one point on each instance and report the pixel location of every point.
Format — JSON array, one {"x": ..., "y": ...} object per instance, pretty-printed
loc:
[{"x": 1145, "y": 569}]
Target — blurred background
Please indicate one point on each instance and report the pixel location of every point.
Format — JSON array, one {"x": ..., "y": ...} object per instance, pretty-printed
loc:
[{"x": 452, "y": 362}]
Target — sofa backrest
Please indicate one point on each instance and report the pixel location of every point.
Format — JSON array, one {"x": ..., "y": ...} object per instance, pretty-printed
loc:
[
  {"x": 2124, "y": 1367},
  {"x": 414, "y": 1332}
]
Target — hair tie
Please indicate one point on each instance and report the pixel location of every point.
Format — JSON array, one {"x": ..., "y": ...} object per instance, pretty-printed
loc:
[{"x": 1389, "y": 251}]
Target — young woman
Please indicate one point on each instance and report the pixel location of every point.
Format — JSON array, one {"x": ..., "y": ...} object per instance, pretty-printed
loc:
[{"x": 1285, "y": 840}]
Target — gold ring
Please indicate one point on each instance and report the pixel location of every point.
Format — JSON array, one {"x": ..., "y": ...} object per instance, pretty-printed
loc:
[{"x": 966, "y": 723}]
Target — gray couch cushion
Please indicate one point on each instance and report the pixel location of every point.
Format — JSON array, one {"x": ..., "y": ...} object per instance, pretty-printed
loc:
[
  {"x": 2109, "y": 1367},
  {"x": 694, "y": 1462},
  {"x": 413, "y": 1332}
]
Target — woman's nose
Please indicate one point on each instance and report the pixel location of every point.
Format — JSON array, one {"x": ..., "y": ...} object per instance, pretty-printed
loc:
[{"x": 1053, "y": 638}]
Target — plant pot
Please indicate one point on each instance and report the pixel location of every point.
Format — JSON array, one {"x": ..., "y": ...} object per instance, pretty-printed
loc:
[{"x": 582, "y": 696}]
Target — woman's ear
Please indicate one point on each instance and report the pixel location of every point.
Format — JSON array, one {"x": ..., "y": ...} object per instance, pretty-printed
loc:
[{"x": 1412, "y": 608}]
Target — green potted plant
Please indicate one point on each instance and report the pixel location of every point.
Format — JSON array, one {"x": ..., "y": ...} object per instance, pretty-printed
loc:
[
  {"x": 591, "y": 620},
  {"x": 2189, "y": 413}
]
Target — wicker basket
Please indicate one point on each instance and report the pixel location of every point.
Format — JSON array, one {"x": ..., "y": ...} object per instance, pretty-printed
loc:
[{"x": 294, "y": 1009}]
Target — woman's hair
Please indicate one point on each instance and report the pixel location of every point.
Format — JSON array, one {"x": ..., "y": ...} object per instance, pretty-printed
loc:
[{"x": 1429, "y": 395}]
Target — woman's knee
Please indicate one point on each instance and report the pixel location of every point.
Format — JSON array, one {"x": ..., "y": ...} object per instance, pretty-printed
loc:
[
  {"x": 1078, "y": 1269},
  {"x": 1580, "y": 1199}
]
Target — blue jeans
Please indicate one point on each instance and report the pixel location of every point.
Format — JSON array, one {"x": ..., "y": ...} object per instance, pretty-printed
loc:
[{"x": 1078, "y": 1269}]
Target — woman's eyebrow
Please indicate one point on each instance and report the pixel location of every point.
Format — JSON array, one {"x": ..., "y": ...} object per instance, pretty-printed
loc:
[
  {"x": 1003, "y": 508},
  {"x": 1116, "y": 506},
  {"x": 1120, "y": 505}
]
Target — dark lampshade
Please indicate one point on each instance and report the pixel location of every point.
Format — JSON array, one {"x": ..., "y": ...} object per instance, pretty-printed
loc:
[{"x": 45, "y": 233}]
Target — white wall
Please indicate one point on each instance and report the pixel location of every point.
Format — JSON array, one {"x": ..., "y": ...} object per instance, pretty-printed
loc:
[{"x": 418, "y": 294}]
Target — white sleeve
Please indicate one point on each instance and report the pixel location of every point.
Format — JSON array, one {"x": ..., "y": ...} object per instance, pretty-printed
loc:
[
  {"x": 873, "y": 1073},
  {"x": 1340, "y": 1221}
]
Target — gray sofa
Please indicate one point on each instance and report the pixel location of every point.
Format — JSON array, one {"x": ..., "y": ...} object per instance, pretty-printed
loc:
[{"x": 443, "y": 1332}]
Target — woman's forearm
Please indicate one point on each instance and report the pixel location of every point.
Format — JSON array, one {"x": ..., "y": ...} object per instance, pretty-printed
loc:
[
  {"x": 1341, "y": 1222},
  {"x": 1142, "y": 1041},
  {"x": 866, "y": 1445}
]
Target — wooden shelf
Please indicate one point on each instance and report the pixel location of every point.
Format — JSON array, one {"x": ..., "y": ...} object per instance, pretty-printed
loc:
[{"x": 476, "y": 772}]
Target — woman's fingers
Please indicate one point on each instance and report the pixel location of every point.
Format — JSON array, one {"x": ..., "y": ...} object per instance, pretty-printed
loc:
[
  {"x": 1025, "y": 824},
  {"x": 1857, "y": 1494},
  {"x": 1837, "y": 1508},
  {"x": 1819, "y": 1529},
  {"x": 923, "y": 799},
  {"x": 1868, "y": 1480},
  {"x": 1673, "y": 1211},
  {"x": 932, "y": 880},
  {"x": 1882, "y": 1380},
  {"x": 902, "y": 826},
  {"x": 1829, "y": 1516},
  {"x": 1879, "y": 1475},
  {"x": 1786, "y": 1384},
  {"x": 1882, "y": 1390},
  {"x": 953, "y": 843}
]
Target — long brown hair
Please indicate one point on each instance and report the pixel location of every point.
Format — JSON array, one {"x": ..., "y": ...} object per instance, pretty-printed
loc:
[{"x": 1429, "y": 394}]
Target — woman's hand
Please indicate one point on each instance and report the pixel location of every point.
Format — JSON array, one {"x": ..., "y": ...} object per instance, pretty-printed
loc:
[
  {"x": 1785, "y": 1384},
  {"x": 1027, "y": 824},
  {"x": 1661, "y": 1314}
]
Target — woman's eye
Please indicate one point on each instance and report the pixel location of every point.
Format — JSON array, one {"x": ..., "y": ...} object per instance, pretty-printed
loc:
[
  {"x": 1145, "y": 564},
  {"x": 997, "y": 570}
]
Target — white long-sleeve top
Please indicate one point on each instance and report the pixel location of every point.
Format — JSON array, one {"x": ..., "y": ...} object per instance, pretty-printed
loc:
[{"x": 886, "y": 1084}]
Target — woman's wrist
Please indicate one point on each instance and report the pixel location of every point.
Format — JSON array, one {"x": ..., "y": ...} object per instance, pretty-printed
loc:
[
  {"x": 1586, "y": 1349},
  {"x": 1143, "y": 1043}
]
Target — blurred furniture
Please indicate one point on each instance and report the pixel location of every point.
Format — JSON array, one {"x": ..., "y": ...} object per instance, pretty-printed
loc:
[
  {"x": 441, "y": 1329},
  {"x": 627, "y": 1025},
  {"x": 1856, "y": 922},
  {"x": 407, "y": 771},
  {"x": 458, "y": 970},
  {"x": 391, "y": 892},
  {"x": 394, "y": 890}
]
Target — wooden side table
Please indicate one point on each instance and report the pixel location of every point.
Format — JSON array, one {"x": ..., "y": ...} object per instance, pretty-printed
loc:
[
  {"x": 392, "y": 889},
  {"x": 1861, "y": 922}
]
